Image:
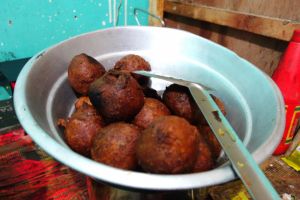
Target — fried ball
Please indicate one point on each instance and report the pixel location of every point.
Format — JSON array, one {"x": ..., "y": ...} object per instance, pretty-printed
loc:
[
  {"x": 81, "y": 101},
  {"x": 168, "y": 146},
  {"x": 205, "y": 160},
  {"x": 115, "y": 145},
  {"x": 151, "y": 110},
  {"x": 179, "y": 100},
  {"x": 82, "y": 71},
  {"x": 211, "y": 140},
  {"x": 80, "y": 129},
  {"x": 117, "y": 96},
  {"x": 131, "y": 63}
]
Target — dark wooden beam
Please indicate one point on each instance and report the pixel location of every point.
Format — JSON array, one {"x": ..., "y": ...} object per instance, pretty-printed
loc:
[{"x": 267, "y": 26}]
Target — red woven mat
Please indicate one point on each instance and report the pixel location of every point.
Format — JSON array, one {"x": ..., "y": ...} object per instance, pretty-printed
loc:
[{"x": 26, "y": 172}]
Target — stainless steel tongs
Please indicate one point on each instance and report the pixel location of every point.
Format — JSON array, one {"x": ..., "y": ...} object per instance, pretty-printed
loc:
[{"x": 242, "y": 161}]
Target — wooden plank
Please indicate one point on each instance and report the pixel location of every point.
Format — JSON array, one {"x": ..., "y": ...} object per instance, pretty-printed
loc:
[
  {"x": 267, "y": 26},
  {"x": 156, "y": 7},
  {"x": 287, "y": 9},
  {"x": 263, "y": 52}
]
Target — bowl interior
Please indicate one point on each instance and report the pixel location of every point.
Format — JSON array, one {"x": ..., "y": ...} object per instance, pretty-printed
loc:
[{"x": 253, "y": 103}]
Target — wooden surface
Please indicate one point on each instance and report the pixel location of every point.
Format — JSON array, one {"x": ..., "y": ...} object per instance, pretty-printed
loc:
[
  {"x": 284, "y": 179},
  {"x": 287, "y": 9},
  {"x": 156, "y": 7},
  {"x": 261, "y": 51},
  {"x": 262, "y": 25},
  {"x": 264, "y": 52}
]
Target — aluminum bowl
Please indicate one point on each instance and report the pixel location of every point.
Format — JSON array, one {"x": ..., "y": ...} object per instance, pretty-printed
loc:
[{"x": 253, "y": 102}]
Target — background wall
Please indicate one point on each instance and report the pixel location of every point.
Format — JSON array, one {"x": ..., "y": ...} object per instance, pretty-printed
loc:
[
  {"x": 238, "y": 30},
  {"x": 29, "y": 26}
]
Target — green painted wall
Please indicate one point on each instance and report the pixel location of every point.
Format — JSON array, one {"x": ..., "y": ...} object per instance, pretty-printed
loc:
[{"x": 28, "y": 26}]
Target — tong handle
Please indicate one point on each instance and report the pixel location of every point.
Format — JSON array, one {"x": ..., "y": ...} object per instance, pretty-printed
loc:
[{"x": 242, "y": 161}]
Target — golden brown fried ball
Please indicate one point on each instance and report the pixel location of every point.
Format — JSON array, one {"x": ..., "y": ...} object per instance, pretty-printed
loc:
[
  {"x": 131, "y": 63},
  {"x": 181, "y": 103},
  {"x": 205, "y": 160},
  {"x": 82, "y": 71},
  {"x": 115, "y": 145},
  {"x": 211, "y": 140},
  {"x": 117, "y": 96},
  {"x": 168, "y": 146},
  {"x": 81, "y": 127},
  {"x": 151, "y": 110}
]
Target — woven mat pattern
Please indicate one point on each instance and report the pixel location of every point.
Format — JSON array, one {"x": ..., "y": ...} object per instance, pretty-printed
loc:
[{"x": 26, "y": 172}]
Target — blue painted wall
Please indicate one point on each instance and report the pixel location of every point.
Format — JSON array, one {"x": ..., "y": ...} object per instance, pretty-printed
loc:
[{"x": 28, "y": 26}]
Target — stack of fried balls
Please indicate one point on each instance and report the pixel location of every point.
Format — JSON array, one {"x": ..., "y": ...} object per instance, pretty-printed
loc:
[{"x": 121, "y": 122}]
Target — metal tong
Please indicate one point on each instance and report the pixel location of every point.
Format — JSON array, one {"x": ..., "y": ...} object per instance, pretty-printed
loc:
[{"x": 242, "y": 161}]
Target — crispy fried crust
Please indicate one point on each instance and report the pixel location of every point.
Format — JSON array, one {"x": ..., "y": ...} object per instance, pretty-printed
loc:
[
  {"x": 80, "y": 129},
  {"x": 181, "y": 103},
  {"x": 82, "y": 71},
  {"x": 117, "y": 96},
  {"x": 168, "y": 146},
  {"x": 131, "y": 63},
  {"x": 151, "y": 110},
  {"x": 205, "y": 160},
  {"x": 211, "y": 140},
  {"x": 115, "y": 145}
]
